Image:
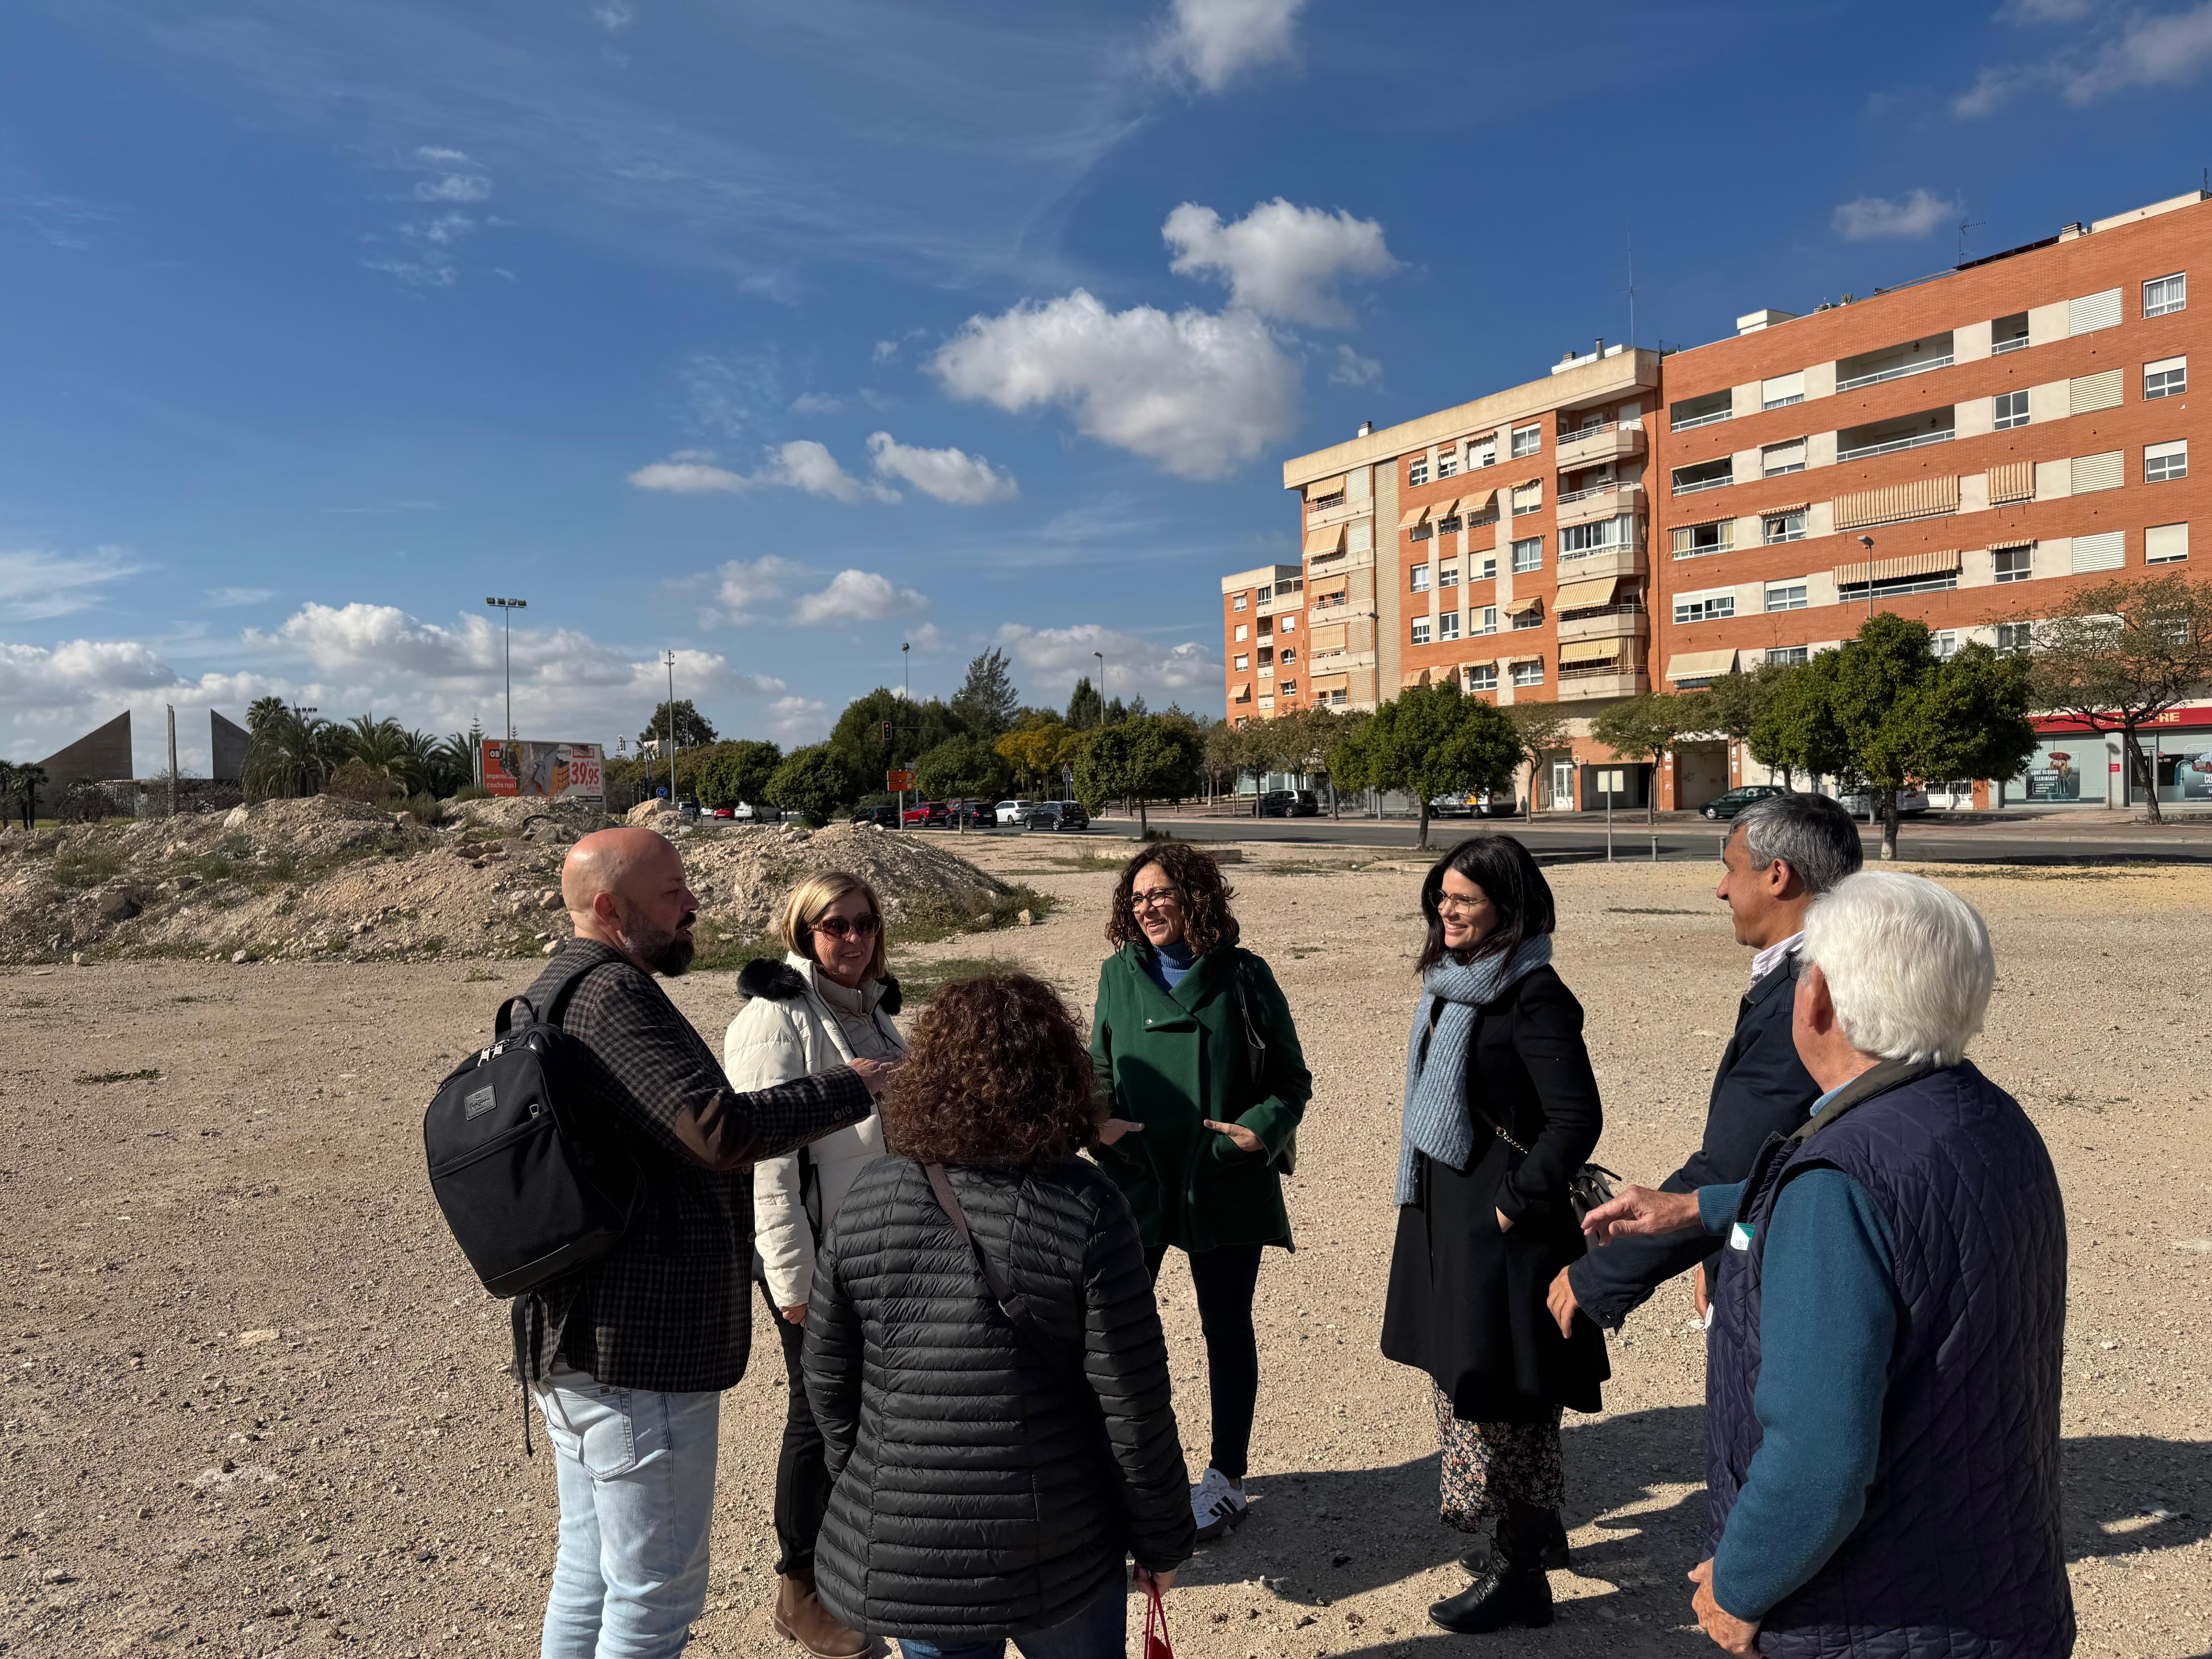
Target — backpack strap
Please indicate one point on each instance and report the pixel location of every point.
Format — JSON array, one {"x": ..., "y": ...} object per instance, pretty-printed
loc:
[
  {"x": 555, "y": 1000},
  {"x": 1255, "y": 1046}
]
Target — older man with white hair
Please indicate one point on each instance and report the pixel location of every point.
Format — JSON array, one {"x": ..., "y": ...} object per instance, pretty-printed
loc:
[{"x": 1881, "y": 1397}]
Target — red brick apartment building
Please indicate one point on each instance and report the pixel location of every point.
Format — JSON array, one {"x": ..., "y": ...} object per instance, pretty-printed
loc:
[{"x": 2004, "y": 435}]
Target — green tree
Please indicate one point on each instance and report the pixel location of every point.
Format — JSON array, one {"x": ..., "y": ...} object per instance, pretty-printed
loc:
[
  {"x": 1086, "y": 709},
  {"x": 1431, "y": 740},
  {"x": 2118, "y": 655},
  {"x": 1646, "y": 727},
  {"x": 733, "y": 772},
  {"x": 262, "y": 710},
  {"x": 1794, "y": 729},
  {"x": 963, "y": 768},
  {"x": 1037, "y": 747},
  {"x": 290, "y": 753},
  {"x": 1346, "y": 757},
  {"x": 986, "y": 701},
  {"x": 691, "y": 729},
  {"x": 915, "y": 728},
  {"x": 1139, "y": 759},
  {"x": 1908, "y": 715},
  {"x": 381, "y": 746},
  {"x": 812, "y": 781},
  {"x": 19, "y": 791},
  {"x": 1541, "y": 728}
]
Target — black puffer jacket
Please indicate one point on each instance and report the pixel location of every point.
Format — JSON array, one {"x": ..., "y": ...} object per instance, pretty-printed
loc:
[{"x": 977, "y": 1493}]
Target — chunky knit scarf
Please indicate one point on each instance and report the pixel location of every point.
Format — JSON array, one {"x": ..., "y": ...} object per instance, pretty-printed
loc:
[{"x": 1436, "y": 1120}]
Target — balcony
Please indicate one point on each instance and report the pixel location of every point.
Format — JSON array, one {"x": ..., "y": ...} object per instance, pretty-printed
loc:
[
  {"x": 1693, "y": 412},
  {"x": 1603, "y": 680},
  {"x": 1600, "y": 562},
  {"x": 1929, "y": 426},
  {"x": 1604, "y": 622},
  {"x": 1288, "y": 596},
  {"x": 1893, "y": 362},
  {"x": 1706, "y": 475},
  {"x": 1601, "y": 501},
  {"x": 1596, "y": 445}
]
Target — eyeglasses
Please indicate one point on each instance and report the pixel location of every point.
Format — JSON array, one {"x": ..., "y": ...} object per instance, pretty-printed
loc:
[
  {"x": 1458, "y": 906},
  {"x": 841, "y": 927},
  {"x": 1153, "y": 898}
]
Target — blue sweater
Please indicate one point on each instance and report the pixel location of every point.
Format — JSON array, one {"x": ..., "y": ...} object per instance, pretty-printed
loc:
[
  {"x": 1826, "y": 1326},
  {"x": 1169, "y": 964}
]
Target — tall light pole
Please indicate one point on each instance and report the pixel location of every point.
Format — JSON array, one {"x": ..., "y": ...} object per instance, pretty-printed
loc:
[
  {"x": 669, "y": 658},
  {"x": 1101, "y": 655},
  {"x": 508, "y": 608},
  {"x": 905, "y": 662},
  {"x": 1867, "y": 542}
]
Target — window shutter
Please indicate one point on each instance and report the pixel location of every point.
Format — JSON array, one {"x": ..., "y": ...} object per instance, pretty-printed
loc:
[
  {"x": 2106, "y": 550},
  {"x": 2092, "y": 392},
  {"x": 2092, "y": 312},
  {"x": 1782, "y": 388},
  {"x": 2163, "y": 544},
  {"x": 1792, "y": 453},
  {"x": 2098, "y": 472}
]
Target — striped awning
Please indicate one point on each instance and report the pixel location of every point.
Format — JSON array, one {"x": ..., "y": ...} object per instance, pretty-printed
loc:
[
  {"x": 1591, "y": 651},
  {"x": 1920, "y": 499},
  {"x": 1479, "y": 501},
  {"x": 1411, "y": 517},
  {"x": 1413, "y": 677},
  {"x": 1521, "y": 607},
  {"x": 1240, "y": 692},
  {"x": 1321, "y": 683},
  {"x": 1908, "y": 564},
  {"x": 1320, "y": 489},
  {"x": 1786, "y": 506},
  {"x": 1324, "y": 541},
  {"x": 2004, "y": 547},
  {"x": 1579, "y": 596},
  {"x": 1700, "y": 664},
  {"x": 1322, "y": 587}
]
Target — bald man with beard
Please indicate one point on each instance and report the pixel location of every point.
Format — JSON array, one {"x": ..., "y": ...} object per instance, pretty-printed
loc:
[{"x": 628, "y": 1357}]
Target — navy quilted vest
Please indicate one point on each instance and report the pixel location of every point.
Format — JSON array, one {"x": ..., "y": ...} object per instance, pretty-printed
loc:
[{"x": 1958, "y": 1554}]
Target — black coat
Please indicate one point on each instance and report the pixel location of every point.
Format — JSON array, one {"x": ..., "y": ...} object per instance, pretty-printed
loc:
[
  {"x": 1466, "y": 1301},
  {"x": 1761, "y": 1089},
  {"x": 977, "y": 1491}
]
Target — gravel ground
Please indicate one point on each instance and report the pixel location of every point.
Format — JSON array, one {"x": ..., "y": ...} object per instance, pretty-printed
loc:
[{"x": 254, "y": 1401}]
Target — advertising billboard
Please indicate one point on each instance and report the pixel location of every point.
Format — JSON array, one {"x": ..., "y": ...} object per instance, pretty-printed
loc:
[{"x": 560, "y": 771}]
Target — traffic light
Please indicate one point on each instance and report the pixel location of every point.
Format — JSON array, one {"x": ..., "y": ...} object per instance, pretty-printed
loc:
[{"x": 887, "y": 731}]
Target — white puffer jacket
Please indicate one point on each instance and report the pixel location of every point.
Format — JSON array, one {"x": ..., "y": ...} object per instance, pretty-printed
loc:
[{"x": 786, "y": 1030}]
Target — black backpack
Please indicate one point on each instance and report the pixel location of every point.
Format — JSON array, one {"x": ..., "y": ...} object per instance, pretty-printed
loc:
[{"x": 519, "y": 1160}]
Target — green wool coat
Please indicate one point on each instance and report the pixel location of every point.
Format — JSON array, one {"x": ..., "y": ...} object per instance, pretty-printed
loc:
[{"x": 1172, "y": 1060}]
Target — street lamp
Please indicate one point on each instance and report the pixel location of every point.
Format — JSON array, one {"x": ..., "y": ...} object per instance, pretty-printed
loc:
[
  {"x": 668, "y": 657},
  {"x": 1101, "y": 655},
  {"x": 906, "y": 661},
  {"x": 1867, "y": 542},
  {"x": 508, "y": 608}
]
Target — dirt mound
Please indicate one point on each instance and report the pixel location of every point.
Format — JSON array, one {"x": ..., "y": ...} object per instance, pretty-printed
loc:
[{"x": 322, "y": 877}]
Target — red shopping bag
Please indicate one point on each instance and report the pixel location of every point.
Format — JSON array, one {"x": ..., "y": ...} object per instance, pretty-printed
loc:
[{"x": 1156, "y": 1628}]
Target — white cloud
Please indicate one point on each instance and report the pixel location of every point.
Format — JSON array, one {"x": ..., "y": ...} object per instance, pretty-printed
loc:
[
  {"x": 950, "y": 475},
  {"x": 1199, "y": 393},
  {"x": 2045, "y": 11},
  {"x": 1053, "y": 658},
  {"x": 1280, "y": 259},
  {"x": 1350, "y": 368},
  {"x": 802, "y": 464},
  {"x": 425, "y": 254},
  {"x": 743, "y": 592},
  {"x": 454, "y": 187},
  {"x": 858, "y": 595},
  {"x": 885, "y": 350},
  {"x": 614, "y": 15},
  {"x": 795, "y": 721},
  {"x": 2118, "y": 50},
  {"x": 36, "y": 584},
  {"x": 1211, "y": 42},
  {"x": 1871, "y": 217},
  {"x": 230, "y": 598},
  {"x": 816, "y": 402},
  {"x": 929, "y": 639}
]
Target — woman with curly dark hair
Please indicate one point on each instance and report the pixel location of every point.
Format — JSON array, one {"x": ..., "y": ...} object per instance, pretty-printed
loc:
[
  {"x": 1207, "y": 1082},
  {"x": 985, "y": 1358}
]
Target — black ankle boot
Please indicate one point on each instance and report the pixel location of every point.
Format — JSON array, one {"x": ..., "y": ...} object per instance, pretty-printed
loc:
[
  {"x": 1553, "y": 1553},
  {"x": 1513, "y": 1588}
]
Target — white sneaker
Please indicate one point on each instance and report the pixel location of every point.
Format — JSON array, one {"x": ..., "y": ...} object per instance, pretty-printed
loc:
[{"x": 1217, "y": 1506}]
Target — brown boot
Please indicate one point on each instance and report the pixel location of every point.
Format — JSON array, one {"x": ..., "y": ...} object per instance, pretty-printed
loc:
[{"x": 800, "y": 1615}]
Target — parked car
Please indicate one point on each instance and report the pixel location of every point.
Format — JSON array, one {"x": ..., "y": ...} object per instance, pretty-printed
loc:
[
  {"x": 888, "y": 817},
  {"x": 1010, "y": 812},
  {"x": 750, "y": 812},
  {"x": 721, "y": 812},
  {"x": 1289, "y": 803},
  {"x": 1500, "y": 803},
  {"x": 1056, "y": 815},
  {"x": 1862, "y": 803},
  {"x": 925, "y": 814},
  {"x": 974, "y": 814},
  {"x": 1721, "y": 808},
  {"x": 1454, "y": 806}
]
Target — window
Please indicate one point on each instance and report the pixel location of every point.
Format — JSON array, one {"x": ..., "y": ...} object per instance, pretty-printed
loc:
[
  {"x": 2009, "y": 334},
  {"x": 1483, "y": 451},
  {"x": 1290, "y": 655},
  {"x": 1445, "y": 526},
  {"x": 1776, "y": 460},
  {"x": 1528, "y": 554},
  {"x": 1266, "y": 625},
  {"x": 1705, "y": 475},
  {"x": 2166, "y": 544},
  {"x": 1577, "y": 539},
  {"x": 2014, "y": 637},
  {"x": 1448, "y": 576},
  {"x": 1243, "y": 664},
  {"x": 1487, "y": 571},
  {"x": 1528, "y": 498},
  {"x": 2104, "y": 549},
  {"x": 1695, "y": 540},
  {"x": 1712, "y": 607},
  {"x": 1287, "y": 687},
  {"x": 1529, "y": 673},
  {"x": 1447, "y": 625},
  {"x": 1701, "y": 411},
  {"x": 1417, "y": 472},
  {"x": 1482, "y": 677},
  {"x": 1425, "y": 530},
  {"x": 2165, "y": 293},
  {"x": 1264, "y": 594},
  {"x": 1788, "y": 656},
  {"x": 1947, "y": 644},
  {"x": 1290, "y": 624},
  {"x": 2168, "y": 377},
  {"x": 1783, "y": 527},
  {"x": 2014, "y": 564},
  {"x": 1447, "y": 464},
  {"x": 1267, "y": 657},
  {"x": 1532, "y": 617},
  {"x": 1243, "y": 633},
  {"x": 2162, "y": 462},
  {"x": 1527, "y": 440},
  {"x": 2011, "y": 410},
  {"x": 1420, "y": 578},
  {"x": 1237, "y": 604},
  {"x": 1782, "y": 390},
  {"x": 1786, "y": 596},
  {"x": 1421, "y": 631},
  {"x": 1482, "y": 619}
]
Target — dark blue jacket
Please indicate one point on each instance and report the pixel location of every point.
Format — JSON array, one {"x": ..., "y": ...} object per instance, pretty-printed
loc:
[
  {"x": 1762, "y": 1089},
  {"x": 1959, "y": 1553}
]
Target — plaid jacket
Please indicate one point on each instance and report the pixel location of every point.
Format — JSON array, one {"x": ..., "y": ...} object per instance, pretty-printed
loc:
[{"x": 668, "y": 1309}]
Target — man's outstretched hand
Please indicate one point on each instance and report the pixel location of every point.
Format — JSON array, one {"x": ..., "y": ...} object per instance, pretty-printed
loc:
[{"x": 1641, "y": 1210}]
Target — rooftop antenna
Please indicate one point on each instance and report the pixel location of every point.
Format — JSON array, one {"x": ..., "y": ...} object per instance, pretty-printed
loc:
[{"x": 1965, "y": 225}]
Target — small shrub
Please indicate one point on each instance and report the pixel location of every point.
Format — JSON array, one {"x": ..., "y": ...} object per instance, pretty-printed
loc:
[
  {"x": 358, "y": 780},
  {"x": 214, "y": 867},
  {"x": 86, "y": 866},
  {"x": 425, "y": 808},
  {"x": 146, "y": 1076},
  {"x": 471, "y": 791}
]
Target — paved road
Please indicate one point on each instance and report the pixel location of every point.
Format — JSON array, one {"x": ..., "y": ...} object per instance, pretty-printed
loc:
[{"x": 2043, "y": 841}]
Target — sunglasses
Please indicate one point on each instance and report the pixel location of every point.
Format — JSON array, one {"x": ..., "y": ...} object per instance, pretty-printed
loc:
[{"x": 840, "y": 927}]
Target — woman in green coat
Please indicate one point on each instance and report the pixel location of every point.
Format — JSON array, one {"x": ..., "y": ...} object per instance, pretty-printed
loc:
[{"x": 1195, "y": 1043}]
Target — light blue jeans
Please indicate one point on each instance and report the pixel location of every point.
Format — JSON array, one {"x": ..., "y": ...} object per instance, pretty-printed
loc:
[
  {"x": 1099, "y": 1631},
  {"x": 637, "y": 1473}
]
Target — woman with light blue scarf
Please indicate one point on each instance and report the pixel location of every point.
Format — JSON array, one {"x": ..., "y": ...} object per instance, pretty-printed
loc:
[{"x": 1501, "y": 1109}]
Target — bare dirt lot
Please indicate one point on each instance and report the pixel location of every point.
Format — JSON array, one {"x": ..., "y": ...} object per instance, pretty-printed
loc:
[{"x": 254, "y": 1401}]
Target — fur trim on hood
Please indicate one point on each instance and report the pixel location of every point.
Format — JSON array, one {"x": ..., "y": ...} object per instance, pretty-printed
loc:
[{"x": 779, "y": 981}]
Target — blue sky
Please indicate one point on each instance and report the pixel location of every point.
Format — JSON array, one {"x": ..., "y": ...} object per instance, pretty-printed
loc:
[{"x": 778, "y": 335}]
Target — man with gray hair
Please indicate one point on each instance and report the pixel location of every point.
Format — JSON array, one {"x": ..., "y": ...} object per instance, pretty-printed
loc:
[
  {"x": 1882, "y": 1431},
  {"x": 1782, "y": 854}
]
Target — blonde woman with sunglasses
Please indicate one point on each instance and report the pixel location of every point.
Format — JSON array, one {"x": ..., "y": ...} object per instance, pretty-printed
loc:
[{"x": 829, "y": 1000}]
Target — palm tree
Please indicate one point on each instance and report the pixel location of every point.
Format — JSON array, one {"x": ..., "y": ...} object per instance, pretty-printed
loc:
[
  {"x": 453, "y": 762},
  {"x": 288, "y": 753}
]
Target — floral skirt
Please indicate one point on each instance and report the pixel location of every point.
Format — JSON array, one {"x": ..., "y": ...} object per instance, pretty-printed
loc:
[{"x": 1486, "y": 1463}]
